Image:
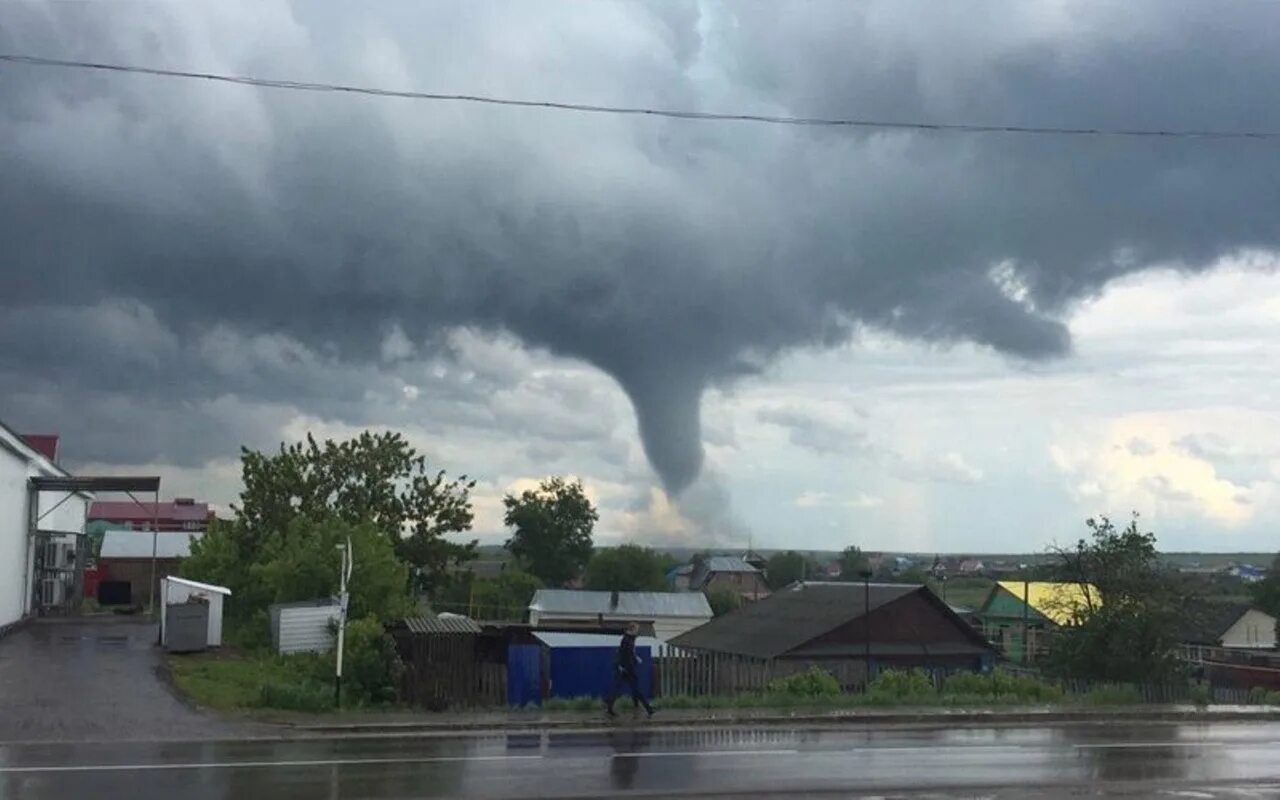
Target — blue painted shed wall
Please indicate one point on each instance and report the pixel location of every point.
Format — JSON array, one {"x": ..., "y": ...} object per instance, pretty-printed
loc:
[
  {"x": 589, "y": 671},
  {"x": 524, "y": 674}
]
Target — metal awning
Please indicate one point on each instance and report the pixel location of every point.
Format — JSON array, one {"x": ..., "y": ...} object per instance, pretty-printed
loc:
[{"x": 107, "y": 483}]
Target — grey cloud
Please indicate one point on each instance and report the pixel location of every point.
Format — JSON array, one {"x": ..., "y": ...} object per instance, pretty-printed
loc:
[
  {"x": 672, "y": 255},
  {"x": 1231, "y": 462},
  {"x": 820, "y": 434}
]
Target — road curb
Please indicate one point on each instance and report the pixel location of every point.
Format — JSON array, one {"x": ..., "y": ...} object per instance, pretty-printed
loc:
[{"x": 948, "y": 717}]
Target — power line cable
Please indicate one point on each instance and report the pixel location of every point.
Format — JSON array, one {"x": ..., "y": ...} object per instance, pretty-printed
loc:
[{"x": 832, "y": 122}]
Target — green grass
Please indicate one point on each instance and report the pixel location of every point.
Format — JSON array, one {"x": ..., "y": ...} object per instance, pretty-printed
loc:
[{"x": 228, "y": 680}]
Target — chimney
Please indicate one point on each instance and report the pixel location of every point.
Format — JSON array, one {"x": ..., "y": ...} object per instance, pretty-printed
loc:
[
  {"x": 613, "y": 600},
  {"x": 46, "y": 444}
]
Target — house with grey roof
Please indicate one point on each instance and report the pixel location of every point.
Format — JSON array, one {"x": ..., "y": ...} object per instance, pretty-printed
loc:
[
  {"x": 729, "y": 572},
  {"x": 670, "y": 613},
  {"x": 847, "y": 628}
]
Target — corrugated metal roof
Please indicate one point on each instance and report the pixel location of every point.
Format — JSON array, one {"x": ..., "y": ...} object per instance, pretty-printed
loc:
[
  {"x": 1060, "y": 602},
  {"x": 729, "y": 564},
  {"x": 787, "y": 619},
  {"x": 560, "y": 639},
  {"x": 630, "y": 604},
  {"x": 433, "y": 624},
  {"x": 208, "y": 587},
  {"x": 137, "y": 544}
]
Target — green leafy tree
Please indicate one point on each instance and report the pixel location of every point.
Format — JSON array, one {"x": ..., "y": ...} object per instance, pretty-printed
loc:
[
  {"x": 1266, "y": 592},
  {"x": 627, "y": 568},
  {"x": 553, "y": 525},
  {"x": 1131, "y": 632},
  {"x": 853, "y": 562},
  {"x": 723, "y": 600},
  {"x": 505, "y": 597},
  {"x": 375, "y": 478},
  {"x": 787, "y": 568},
  {"x": 224, "y": 556},
  {"x": 305, "y": 564}
]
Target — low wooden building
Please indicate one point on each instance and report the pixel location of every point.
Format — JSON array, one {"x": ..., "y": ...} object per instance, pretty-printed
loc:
[
  {"x": 848, "y": 629},
  {"x": 730, "y": 573},
  {"x": 1233, "y": 626}
]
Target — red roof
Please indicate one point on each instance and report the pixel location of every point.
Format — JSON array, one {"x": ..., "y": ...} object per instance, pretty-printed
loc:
[
  {"x": 129, "y": 511},
  {"x": 45, "y": 443}
]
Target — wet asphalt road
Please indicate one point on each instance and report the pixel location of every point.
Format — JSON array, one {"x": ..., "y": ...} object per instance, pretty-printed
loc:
[
  {"x": 92, "y": 680},
  {"x": 1224, "y": 760}
]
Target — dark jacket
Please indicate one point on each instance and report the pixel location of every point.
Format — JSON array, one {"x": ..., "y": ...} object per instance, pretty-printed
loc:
[{"x": 625, "y": 660}]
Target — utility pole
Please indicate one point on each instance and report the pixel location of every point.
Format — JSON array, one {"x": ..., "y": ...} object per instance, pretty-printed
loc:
[
  {"x": 344, "y": 575},
  {"x": 866, "y": 627},
  {"x": 1026, "y": 611}
]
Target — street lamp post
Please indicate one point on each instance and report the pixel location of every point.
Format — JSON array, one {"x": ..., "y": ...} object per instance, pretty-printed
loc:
[{"x": 344, "y": 575}]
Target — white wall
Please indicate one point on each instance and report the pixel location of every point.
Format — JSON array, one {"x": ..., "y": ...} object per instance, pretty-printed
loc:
[
  {"x": 1254, "y": 629},
  {"x": 305, "y": 629},
  {"x": 15, "y": 556}
]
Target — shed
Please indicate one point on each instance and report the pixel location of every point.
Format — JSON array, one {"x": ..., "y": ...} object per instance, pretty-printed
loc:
[
  {"x": 180, "y": 590},
  {"x": 125, "y": 560},
  {"x": 582, "y": 664},
  {"x": 304, "y": 627},
  {"x": 671, "y": 613}
]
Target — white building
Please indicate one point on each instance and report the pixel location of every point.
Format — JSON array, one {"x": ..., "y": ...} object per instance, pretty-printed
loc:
[
  {"x": 672, "y": 613},
  {"x": 56, "y": 511}
]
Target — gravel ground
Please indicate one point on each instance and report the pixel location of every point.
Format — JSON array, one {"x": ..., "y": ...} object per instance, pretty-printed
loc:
[{"x": 93, "y": 681}]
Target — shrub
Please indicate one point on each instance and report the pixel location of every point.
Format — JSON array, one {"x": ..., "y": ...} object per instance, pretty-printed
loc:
[
  {"x": 897, "y": 685},
  {"x": 371, "y": 668},
  {"x": 1258, "y": 696},
  {"x": 1000, "y": 686},
  {"x": 1201, "y": 696},
  {"x": 1272, "y": 699},
  {"x": 813, "y": 682}
]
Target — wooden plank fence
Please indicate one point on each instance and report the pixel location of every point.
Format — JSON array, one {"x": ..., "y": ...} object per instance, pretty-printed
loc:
[
  {"x": 679, "y": 671},
  {"x": 442, "y": 671}
]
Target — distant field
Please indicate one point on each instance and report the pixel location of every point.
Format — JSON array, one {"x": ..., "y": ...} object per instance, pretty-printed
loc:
[{"x": 967, "y": 592}]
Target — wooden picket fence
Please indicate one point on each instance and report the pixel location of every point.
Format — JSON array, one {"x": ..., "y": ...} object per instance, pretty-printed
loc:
[{"x": 678, "y": 671}]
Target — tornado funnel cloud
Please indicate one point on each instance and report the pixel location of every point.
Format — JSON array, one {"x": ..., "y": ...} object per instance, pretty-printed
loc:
[{"x": 669, "y": 415}]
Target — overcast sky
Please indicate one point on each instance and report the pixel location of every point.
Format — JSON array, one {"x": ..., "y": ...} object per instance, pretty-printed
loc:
[{"x": 811, "y": 337}]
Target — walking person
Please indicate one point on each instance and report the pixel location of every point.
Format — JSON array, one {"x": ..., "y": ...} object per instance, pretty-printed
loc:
[{"x": 625, "y": 662}]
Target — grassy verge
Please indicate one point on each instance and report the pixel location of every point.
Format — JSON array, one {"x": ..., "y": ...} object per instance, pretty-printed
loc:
[{"x": 232, "y": 680}]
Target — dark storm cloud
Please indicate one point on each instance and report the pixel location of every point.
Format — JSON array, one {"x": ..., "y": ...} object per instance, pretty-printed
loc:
[{"x": 672, "y": 255}]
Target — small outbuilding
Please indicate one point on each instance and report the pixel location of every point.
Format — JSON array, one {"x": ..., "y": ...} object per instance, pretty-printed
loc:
[{"x": 178, "y": 591}]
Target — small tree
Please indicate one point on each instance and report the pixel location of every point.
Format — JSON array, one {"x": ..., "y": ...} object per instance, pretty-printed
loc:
[
  {"x": 304, "y": 566},
  {"x": 505, "y": 597},
  {"x": 626, "y": 568},
  {"x": 553, "y": 525},
  {"x": 1131, "y": 632},
  {"x": 787, "y": 568},
  {"x": 853, "y": 562},
  {"x": 723, "y": 600}
]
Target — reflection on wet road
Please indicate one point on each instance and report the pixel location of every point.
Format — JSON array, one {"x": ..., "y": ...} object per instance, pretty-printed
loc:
[{"x": 1220, "y": 760}]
